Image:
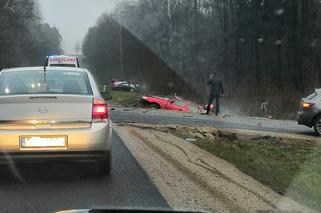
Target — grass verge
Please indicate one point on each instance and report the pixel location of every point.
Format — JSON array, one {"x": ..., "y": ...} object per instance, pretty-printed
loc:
[
  {"x": 127, "y": 99},
  {"x": 289, "y": 167}
]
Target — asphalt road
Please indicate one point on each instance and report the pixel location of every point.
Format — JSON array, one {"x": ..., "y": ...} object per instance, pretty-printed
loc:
[
  {"x": 152, "y": 116},
  {"x": 48, "y": 187}
]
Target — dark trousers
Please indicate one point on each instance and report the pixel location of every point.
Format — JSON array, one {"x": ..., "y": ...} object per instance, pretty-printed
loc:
[{"x": 217, "y": 103}]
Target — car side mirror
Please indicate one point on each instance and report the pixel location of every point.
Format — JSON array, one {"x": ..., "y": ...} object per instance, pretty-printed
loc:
[
  {"x": 106, "y": 95},
  {"x": 171, "y": 101}
]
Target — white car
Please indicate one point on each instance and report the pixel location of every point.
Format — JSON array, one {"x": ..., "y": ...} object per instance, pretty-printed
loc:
[{"x": 53, "y": 113}]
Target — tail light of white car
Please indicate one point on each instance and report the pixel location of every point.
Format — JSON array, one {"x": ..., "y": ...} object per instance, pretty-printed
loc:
[
  {"x": 307, "y": 105},
  {"x": 99, "y": 110}
]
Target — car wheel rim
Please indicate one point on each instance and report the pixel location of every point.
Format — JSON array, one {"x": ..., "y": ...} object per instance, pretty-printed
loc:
[{"x": 319, "y": 126}]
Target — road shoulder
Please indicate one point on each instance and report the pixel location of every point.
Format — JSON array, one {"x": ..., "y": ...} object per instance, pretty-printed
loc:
[{"x": 189, "y": 177}]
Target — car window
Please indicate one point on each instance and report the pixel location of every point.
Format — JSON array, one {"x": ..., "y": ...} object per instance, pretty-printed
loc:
[
  {"x": 193, "y": 108},
  {"x": 311, "y": 96},
  {"x": 180, "y": 103},
  {"x": 38, "y": 82}
]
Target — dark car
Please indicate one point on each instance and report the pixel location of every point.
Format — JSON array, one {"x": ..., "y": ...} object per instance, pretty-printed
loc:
[
  {"x": 126, "y": 86},
  {"x": 310, "y": 111}
]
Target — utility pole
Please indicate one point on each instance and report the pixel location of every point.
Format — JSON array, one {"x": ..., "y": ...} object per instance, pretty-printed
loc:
[{"x": 121, "y": 48}]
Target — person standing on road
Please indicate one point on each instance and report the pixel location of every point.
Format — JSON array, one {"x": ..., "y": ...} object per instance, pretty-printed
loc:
[{"x": 216, "y": 91}]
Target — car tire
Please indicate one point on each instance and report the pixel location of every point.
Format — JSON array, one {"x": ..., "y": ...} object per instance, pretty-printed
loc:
[
  {"x": 104, "y": 165},
  {"x": 317, "y": 125},
  {"x": 154, "y": 106}
]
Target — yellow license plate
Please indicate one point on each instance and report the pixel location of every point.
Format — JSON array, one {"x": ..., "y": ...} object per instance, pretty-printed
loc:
[{"x": 43, "y": 141}]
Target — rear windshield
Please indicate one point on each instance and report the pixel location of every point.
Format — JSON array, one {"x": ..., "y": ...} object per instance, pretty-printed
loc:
[
  {"x": 311, "y": 96},
  {"x": 38, "y": 82}
]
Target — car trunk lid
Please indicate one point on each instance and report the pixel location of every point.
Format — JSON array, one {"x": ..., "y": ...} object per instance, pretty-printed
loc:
[{"x": 45, "y": 111}]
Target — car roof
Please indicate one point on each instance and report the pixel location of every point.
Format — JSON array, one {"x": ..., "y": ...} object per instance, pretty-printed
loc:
[{"x": 71, "y": 69}]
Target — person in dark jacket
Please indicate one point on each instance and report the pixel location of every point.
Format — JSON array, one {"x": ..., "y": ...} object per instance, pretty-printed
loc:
[{"x": 216, "y": 91}]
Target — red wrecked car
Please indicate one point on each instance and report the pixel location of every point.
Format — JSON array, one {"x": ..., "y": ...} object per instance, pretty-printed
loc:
[{"x": 176, "y": 103}]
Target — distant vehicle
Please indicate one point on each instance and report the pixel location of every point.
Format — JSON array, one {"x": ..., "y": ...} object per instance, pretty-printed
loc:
[
  {"x": 62, "y": 61},
  {"x": 56, "y": 113},
  {"x": 309, "y": 113},
  {"x": 176, "y": 103},
  {"x": 126, "y": 86}
]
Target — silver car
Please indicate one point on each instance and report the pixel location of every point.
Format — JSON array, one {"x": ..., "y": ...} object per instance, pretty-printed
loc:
[
  {"x": 53, "y": 113},
  {"x": 310, "y": 111}
]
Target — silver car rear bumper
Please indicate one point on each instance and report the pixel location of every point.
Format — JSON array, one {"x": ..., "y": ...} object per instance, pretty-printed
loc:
[
  {"x": 97, "y": 138},
  {"x": 6, "y": 158}
]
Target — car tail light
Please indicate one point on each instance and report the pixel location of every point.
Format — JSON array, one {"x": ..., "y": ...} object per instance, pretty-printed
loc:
[
  {"x": 307, "y": 105},
  {"x": 99, "y": 110}
]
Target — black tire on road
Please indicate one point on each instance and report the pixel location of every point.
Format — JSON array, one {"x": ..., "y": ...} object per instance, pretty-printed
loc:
[
  {"x": 154, "y": 106},
  {"x": 317, "y": 125},
  {"x": 104, "y": 165}
]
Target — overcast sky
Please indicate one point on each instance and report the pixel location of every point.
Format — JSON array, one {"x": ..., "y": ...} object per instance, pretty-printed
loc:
[{"x": 73, "y": 17}]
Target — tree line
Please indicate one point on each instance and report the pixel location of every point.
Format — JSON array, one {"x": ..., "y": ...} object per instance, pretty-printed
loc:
[
  {"x": 111, "y": 51},
  {"x": 264, "y": 50},
  {"x": 24, "y": 39}
]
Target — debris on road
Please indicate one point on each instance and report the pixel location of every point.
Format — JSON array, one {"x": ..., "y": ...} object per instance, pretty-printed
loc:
[
  {"x": 260, "y": 118},
  {"x": 226, "y": 115},
  {"x": 190, "y": 139},
  {"x": 188, "y": 116}
]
